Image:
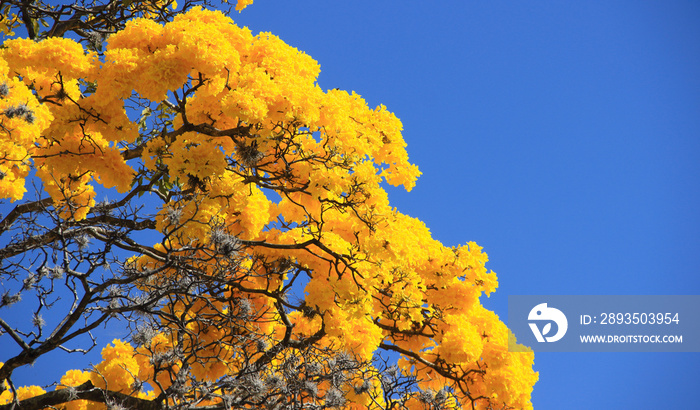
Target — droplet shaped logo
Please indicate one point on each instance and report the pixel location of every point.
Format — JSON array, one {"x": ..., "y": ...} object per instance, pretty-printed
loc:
[{"x": 542, "y": 313}]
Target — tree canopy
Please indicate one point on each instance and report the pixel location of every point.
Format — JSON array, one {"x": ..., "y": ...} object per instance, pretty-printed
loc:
[{"x": 245, "y": 244}]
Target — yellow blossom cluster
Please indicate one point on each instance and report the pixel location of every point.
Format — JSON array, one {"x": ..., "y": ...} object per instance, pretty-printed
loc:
[
  {"x": 22, "y": 393},
  {"x": 120, "y": 367},
  {"x": 69, "y": 140},
  {"x": 268, "y": 156},
  {"x": 22, "y": 122}
]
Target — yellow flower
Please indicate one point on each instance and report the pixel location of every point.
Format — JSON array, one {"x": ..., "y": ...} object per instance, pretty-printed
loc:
[{"x": 241, "y": 4}]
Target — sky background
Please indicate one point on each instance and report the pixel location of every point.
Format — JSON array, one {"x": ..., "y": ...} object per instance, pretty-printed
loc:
[
  {"x": 560, "y": 136},
  {"x": 563, "y": 137}
]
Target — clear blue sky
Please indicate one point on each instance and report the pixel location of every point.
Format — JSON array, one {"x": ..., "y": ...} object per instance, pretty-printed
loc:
[{"x": 561, "y": 136}]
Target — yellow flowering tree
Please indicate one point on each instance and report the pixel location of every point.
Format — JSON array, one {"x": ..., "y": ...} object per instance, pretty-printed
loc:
[{"x": 245, "y": 243}]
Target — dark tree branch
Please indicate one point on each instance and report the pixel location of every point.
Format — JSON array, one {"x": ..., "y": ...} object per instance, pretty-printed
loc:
[
  {"x": 22, "y": 209},
  {"x": 86, "y": 391}
]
